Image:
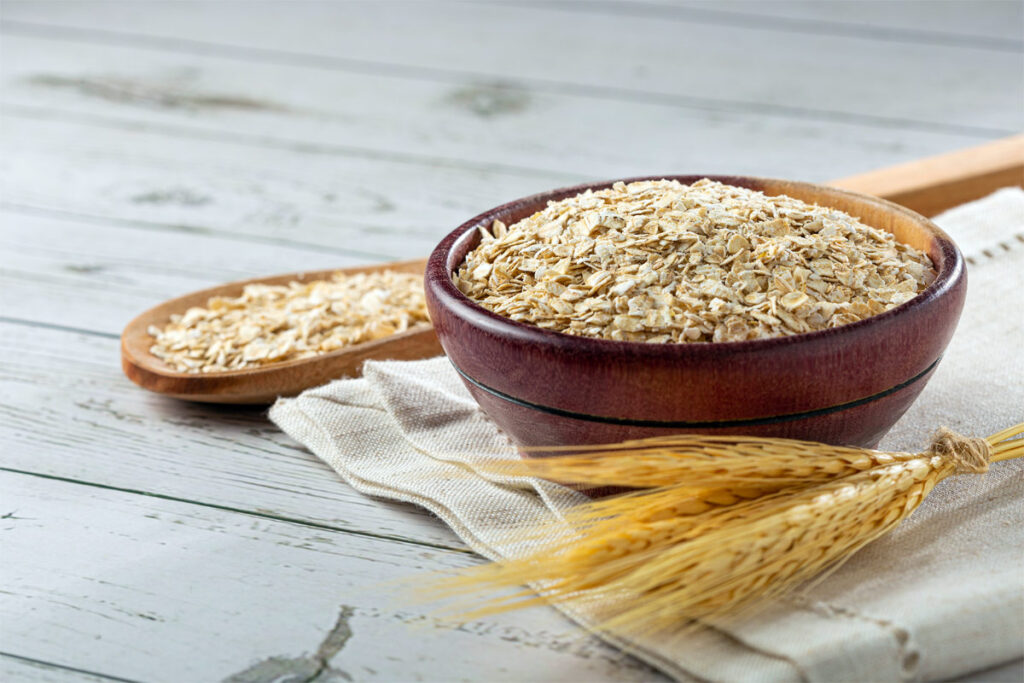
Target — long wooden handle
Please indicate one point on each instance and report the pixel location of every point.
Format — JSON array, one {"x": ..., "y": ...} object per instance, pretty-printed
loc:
[{"x": 932, "y": 185}]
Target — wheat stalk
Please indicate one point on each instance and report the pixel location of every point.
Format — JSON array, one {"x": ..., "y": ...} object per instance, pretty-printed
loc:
[{"x": 751, "y": 518}]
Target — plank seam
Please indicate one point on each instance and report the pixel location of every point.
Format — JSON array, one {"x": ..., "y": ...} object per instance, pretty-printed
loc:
[
  {"x": 136, "y": 224},
  {"x": 242, "y": 511},
  {"x": 769, "y": 22},
  {"x": 35, "y": 113},
  {"x": 65, "y": 667},
  {"x": 55, "y": 326}
]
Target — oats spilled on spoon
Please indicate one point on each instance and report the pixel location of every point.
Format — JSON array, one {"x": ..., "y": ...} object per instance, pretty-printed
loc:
[
  {"x": 659, "y": 261},
  {"x": 277, "y": 323}
]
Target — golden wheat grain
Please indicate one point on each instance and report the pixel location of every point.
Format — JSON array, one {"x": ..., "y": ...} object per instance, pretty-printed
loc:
[
  {"x": 661, "y": 558},
  {"x": 728, "y": 461}
]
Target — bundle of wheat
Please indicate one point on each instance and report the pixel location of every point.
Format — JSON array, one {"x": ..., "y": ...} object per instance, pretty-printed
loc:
[{"x": 719, "y": 523}]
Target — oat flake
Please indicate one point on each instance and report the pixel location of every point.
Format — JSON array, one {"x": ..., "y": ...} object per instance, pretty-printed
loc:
[
  {"x": 276, "y": 323},
  {"x": 659, "y": 261}
]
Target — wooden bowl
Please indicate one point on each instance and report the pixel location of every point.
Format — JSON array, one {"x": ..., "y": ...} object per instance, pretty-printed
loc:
[{"x": 845, "y": 385}]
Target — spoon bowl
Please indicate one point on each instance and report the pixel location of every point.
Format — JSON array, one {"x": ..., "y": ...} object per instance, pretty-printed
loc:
[{"x": 263, "y": 384}]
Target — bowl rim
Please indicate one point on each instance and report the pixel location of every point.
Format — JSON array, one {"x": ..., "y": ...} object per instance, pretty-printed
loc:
[{"x": 439, "y": 281}]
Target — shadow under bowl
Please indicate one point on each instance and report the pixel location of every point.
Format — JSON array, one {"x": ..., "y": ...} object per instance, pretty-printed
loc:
[{"x": 845, "y": 385}]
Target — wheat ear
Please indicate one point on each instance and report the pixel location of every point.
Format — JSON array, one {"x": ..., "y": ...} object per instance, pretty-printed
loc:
[{"x": 752, "y": 519}]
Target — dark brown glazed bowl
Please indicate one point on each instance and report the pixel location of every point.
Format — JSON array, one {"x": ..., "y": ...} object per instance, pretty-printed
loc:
[{"x": 845, "y": 385}]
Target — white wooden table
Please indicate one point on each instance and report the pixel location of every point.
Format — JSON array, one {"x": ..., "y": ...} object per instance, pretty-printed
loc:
[{"x": 153, "y": 149}]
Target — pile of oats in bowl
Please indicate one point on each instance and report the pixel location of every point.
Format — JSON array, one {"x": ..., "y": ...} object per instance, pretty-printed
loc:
[
  {"x": 277, "y": 323},
  {"x": 659, "y": 261}
]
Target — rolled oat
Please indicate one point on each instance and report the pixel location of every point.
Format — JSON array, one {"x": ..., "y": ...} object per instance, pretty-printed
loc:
[
  {"x": 276, "y": 323},
  {"x": 659, "y": 261}
]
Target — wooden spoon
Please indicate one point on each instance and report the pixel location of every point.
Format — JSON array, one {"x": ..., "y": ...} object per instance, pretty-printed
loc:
[{"x": 264, "y": 383}]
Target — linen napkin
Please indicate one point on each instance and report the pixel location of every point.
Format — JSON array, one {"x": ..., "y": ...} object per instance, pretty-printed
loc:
[{"x": 941, "y": 596}]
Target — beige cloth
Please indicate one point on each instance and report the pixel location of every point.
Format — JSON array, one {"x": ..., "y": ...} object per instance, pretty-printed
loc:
[{"x": 941, "y": 596}]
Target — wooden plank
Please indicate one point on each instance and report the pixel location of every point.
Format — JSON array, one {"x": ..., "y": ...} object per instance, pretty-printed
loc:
[
  {"x": 374, "y": 207},
  {"x": 649, "y": 59},
  {"x": 114, "y": 434},
  {"x": 996, "y": 24},
  {"x": 556, "y": 137},
  {"x": 930, "y": 186},
  {"x": 180, "y": 592},
  {"x": 97, "y": 277}
]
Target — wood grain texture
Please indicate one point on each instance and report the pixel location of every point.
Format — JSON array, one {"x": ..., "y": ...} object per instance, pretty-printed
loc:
[
  {"x": 113, "y": 434},
  {"x": 523, "y": 44},
  {"x": 993, "y": 24},
  {"x": 556, "y": 136},
  {"x": 930, "y": 186},
  {"x": 15, "y": 668},
  {"x": 380, "y": 209},
  {"x": 269, "y": 597},
  {"x": 97, "y": 275},
  {"x": 846, "y": 385},
  {"x": 264, "y": 384}
]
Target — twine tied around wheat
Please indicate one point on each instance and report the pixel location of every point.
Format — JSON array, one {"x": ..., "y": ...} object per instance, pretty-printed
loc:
[
  {"x": 968, "y": 455},
  {"x": 713, "y": 525}
]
